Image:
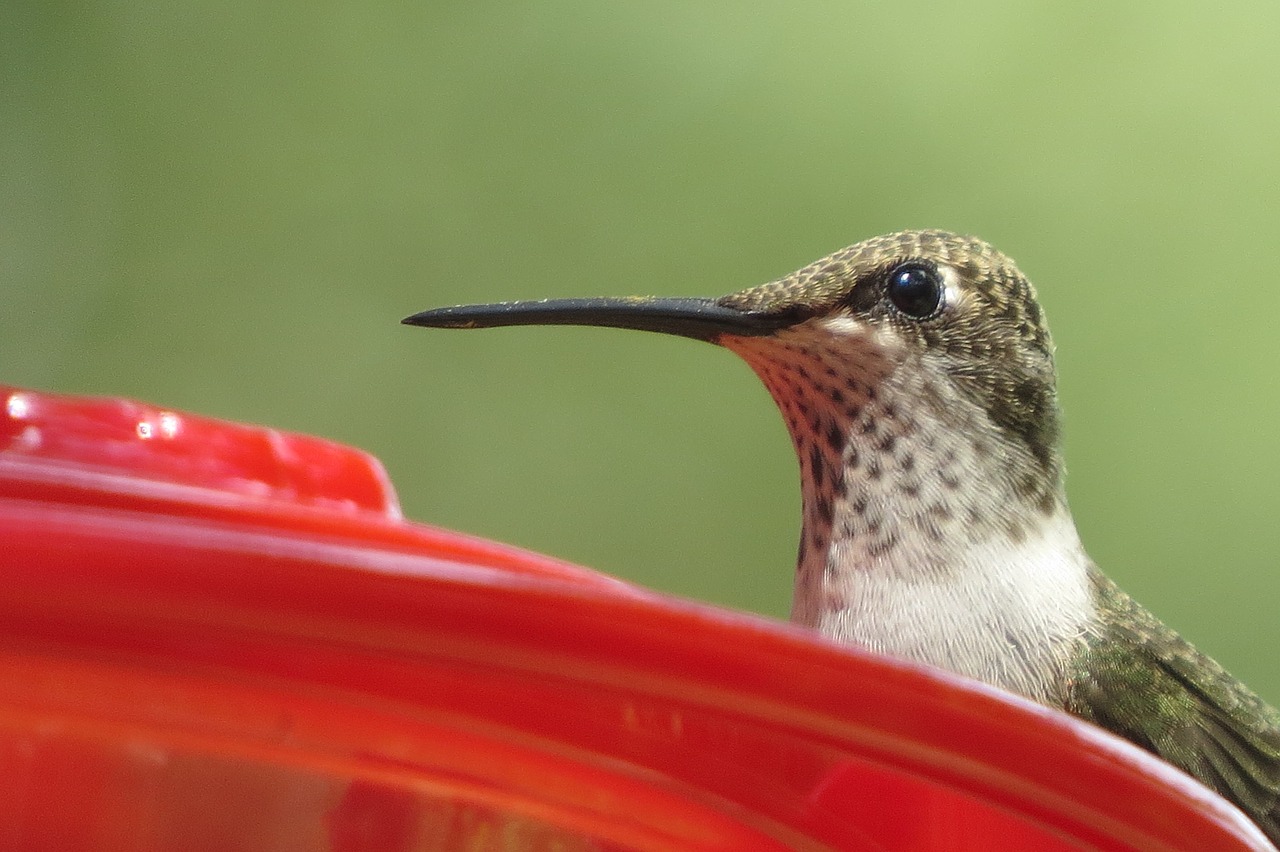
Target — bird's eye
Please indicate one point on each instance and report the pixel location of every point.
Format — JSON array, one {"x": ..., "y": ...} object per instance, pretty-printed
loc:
[{"x": 915, "y": 289}]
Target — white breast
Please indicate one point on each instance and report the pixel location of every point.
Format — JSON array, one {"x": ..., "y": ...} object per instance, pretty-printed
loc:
[{"x": 1010, "y": 614}]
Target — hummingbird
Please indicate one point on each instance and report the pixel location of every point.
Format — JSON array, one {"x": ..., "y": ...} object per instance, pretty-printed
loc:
[{"x": 915, "y": 373}]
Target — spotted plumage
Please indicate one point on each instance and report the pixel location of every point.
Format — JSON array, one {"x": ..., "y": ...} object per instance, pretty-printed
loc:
[{"x": 915, "y": 374}]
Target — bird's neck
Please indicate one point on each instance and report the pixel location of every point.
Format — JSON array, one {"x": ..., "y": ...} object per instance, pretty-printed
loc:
[{"x": 924, "y": 535}]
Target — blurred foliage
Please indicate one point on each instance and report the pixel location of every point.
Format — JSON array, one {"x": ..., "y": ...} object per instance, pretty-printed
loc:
[{"x": 227, "y": 207}]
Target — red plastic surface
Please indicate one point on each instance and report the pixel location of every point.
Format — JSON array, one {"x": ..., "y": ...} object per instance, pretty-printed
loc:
[{"x": 215, "y": 636}]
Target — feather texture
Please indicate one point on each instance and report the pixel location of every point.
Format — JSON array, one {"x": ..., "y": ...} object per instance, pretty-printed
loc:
[{"x": 1141, "y": 680}]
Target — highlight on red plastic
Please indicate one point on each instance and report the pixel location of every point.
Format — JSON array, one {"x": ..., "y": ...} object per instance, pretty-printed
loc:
[{"x": 216, "y": 636}]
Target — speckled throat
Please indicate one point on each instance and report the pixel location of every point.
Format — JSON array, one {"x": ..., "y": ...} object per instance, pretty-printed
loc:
[{"x": 926, "y": 535}]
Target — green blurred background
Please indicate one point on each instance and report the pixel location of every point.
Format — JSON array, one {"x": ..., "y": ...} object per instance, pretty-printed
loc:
[{"x": 228, "y": 207}]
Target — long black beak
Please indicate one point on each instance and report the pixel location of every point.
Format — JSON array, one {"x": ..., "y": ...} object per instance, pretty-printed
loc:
[{"x": 701, "y": 319}]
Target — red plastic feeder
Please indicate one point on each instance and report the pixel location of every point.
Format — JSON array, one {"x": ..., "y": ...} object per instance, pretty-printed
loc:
[{"x": 216, "y": 636}]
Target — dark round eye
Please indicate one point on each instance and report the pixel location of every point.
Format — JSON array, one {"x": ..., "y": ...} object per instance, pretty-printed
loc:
[{"x": 915, "y": 289}]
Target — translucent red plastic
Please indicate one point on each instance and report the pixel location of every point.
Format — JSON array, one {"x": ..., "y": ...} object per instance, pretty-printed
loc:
[{"x": 216, "y": 636}]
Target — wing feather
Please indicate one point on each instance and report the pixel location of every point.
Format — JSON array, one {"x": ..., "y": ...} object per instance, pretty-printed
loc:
[{"x": 1144, "y": 682}]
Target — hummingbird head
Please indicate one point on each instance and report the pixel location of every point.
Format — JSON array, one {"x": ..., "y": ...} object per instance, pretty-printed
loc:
[
  {"x": 915, "y": 373},
  {"x": 918, "y": 330},
  {"x": 881, "y": 336}
]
